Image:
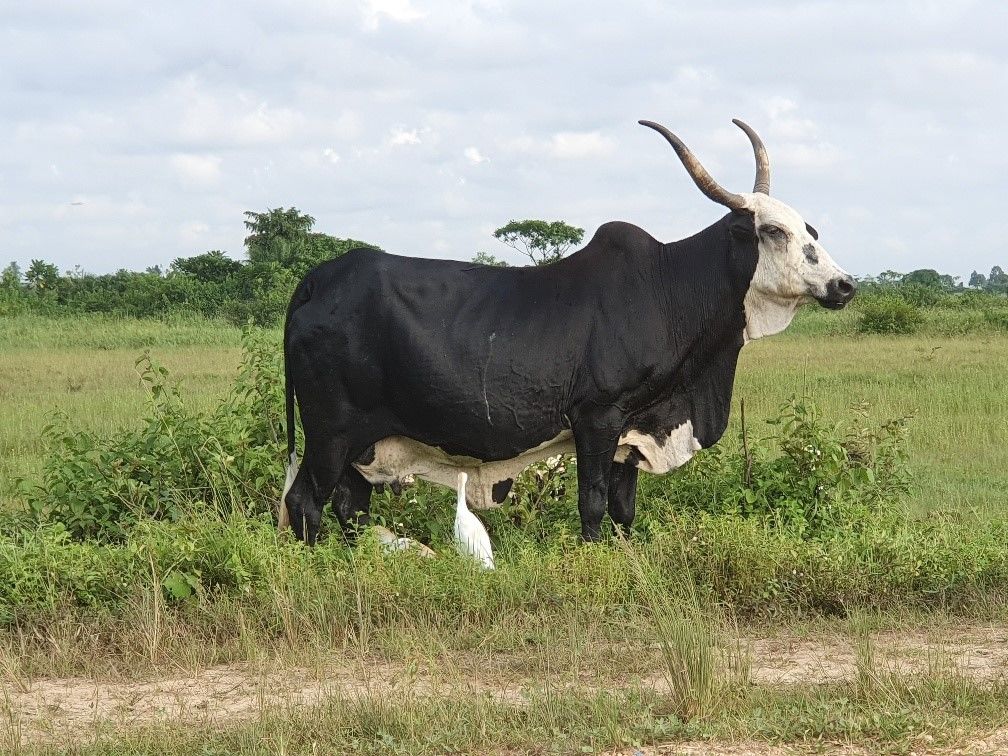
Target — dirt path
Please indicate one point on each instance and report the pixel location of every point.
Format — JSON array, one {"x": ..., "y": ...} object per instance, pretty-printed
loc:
[
  {"x": 48, "y": 708},
  {"x": 979, "y": 652}
]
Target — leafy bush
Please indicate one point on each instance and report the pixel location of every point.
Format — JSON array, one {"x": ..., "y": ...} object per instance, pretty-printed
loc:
[
  {"x": 889, "y": 315},
  {"x": 997, "y": 319},
  {"x": 237, "y": 569},
  {"x": 919, "y": 295},
  {"x": 178, "y": 461},
  {"x": 824, "y": 478}
]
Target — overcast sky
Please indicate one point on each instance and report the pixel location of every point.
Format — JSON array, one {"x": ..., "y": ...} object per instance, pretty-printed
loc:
[{"x": 134, "y": 133}]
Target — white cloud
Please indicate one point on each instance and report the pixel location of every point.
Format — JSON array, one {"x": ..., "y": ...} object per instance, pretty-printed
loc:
[
  {"x": 400, "y": 11},
  {"x": 194, "y": 115},
  {"x": 201, "y": 116},
  {"x": 400, "y": 137},
  {"x": 811, "y": 157},
  {"x": 202, "y": 170},
  {"x": 193, "y": 232},
  {"x": 474, "y": 156},
  {"x": 786, "y": 121},
  {"x": 580, "y": 144}
]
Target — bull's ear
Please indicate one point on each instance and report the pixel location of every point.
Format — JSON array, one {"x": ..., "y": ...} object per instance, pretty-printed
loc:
[{"x": 743, "y": 227}]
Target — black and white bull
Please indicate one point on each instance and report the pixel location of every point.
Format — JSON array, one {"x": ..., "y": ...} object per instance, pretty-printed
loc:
[{"x": 623, "y": 353}]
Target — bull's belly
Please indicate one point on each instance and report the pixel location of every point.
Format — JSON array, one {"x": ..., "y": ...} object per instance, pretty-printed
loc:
[{"x": 398, "y": 457}]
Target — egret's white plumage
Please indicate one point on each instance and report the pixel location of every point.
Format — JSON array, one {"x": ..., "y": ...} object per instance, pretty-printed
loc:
[{"x": 470, "y": 536}]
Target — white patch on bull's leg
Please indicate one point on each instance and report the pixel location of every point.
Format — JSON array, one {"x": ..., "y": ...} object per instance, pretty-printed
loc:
[
  {"x": 660, "y": 456},
  {"x": 793, "y": 268},
  {"x": 283, "y": 516},
  {"x": 396, "y": 457}
]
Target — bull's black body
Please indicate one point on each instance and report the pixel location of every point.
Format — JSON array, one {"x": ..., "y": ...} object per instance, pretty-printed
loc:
[{"x": 487, "y": 362}]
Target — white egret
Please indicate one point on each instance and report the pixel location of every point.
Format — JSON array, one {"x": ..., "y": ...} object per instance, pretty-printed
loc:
[{"x": 471, "y": 538}]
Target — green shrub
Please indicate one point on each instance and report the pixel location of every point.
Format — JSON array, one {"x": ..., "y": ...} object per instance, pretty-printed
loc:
[
  {"x": 919, "y": 295},
  {"x": 997, "y": 319},
  {"x": 179, "y": 461},
  {"x": 824, "y": 478},
  {"x": 889, "y": 315},
  {"x": 754, "y": 569}
]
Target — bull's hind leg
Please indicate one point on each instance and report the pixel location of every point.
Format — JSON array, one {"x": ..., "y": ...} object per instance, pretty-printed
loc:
[
  {"x": 622, "y": 496},
  {"x": 352, "y": 502},
  {"x": 312, "y": 486},
  {"x": 596, "y": 436}
]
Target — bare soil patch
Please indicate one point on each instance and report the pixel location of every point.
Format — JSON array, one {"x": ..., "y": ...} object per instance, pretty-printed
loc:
[
  {"x": 42, "y": 709},
  {"x": 979, "y": 652}
]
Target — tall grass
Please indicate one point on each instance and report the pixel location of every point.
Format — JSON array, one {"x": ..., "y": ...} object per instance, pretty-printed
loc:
[{"x": 685, "y": 628}]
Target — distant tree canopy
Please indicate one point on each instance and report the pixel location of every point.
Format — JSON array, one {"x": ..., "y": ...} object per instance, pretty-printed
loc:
[
  {"x": 281, "y": 247},
  {"x": 543, "y": 242},
  {"x": 996, "y": 282},
  {"x": 210, "y": 267},
  {"x": 10, "y": 278},
  {"x": 42, "y": 276},
  {"x": 277, "y": 236},
  {"x": 284, "y": 238},
  {"x": 485, "y": 258},
  {"x": 928, "y": 278}
]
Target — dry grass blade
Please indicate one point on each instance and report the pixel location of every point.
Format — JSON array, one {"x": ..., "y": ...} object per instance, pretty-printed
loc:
[{"x": 685, "y": 629}]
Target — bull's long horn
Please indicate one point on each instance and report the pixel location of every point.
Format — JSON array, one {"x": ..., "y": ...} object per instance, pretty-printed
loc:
[
  {"x": 704, "y": 181},
  {"x": 762, "y": 184}
]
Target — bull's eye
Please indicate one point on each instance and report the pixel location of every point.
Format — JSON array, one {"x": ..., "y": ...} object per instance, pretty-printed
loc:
[{"x": 775, "y": 232}]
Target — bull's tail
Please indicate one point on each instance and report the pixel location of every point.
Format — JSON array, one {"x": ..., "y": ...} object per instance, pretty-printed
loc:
[{"x": 283, "y": 518}]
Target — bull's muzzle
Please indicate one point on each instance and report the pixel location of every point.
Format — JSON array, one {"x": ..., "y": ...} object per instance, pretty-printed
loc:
[{"x": 839, "y": 291}]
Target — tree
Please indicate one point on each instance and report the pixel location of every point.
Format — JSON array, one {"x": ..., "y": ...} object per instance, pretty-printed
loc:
[
  {"x": 277, "y": 235},
  {"x": 284, "y": 238},
  {"x": 977, "y": 280},
  {"x": 889, "y": 277},
  {"x": 10, "y": 278},
  {"x": 997, "y": 280},
  {"x": 213, "y": 266},
  {"x": 485, "y": 258},
  {"x": 924, "y": 277},
  {"x": 542, "y": 242},
  {"x": 42, "y": 276}
]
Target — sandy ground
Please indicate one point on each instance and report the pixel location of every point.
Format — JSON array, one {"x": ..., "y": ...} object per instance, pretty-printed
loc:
[{"x": 42, "y": 709}]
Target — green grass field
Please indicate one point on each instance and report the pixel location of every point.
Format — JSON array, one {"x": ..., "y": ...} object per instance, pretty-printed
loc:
[
  {"x": 953, "y": 386},
  {"x": 711, "y": 631}
]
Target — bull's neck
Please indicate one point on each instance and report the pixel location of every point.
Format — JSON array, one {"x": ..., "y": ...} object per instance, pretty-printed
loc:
[{"x": 704, "y": 288}]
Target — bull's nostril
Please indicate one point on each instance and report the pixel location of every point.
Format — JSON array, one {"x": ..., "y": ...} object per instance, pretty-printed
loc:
[{"x": 845, "y": 287}]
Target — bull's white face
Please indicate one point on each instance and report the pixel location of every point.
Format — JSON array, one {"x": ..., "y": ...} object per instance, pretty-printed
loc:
[{"x": 793, "y": 269}]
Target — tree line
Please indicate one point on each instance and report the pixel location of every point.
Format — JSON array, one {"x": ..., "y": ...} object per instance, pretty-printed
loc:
[
  {"x": 996, "y": 282},
  {"x": 281, "y": 247}
]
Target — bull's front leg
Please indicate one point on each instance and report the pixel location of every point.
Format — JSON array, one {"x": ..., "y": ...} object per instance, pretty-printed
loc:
[
  {"x": 622, "y": 496},
  {"x": 596, "y": 436}
]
